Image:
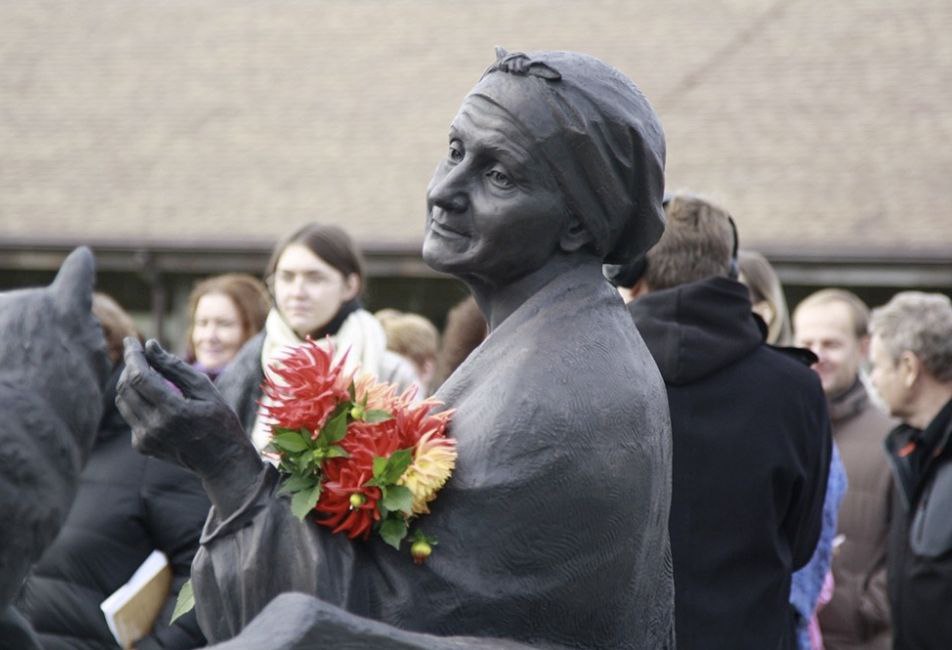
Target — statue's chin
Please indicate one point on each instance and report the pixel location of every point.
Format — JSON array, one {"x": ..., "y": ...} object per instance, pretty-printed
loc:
[{"x": 436, "y": 255}]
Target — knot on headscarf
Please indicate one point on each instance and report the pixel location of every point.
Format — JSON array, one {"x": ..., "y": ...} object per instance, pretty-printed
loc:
[
  {"x": 521, "y": 64},
  {"x": 599, "y": 136}
]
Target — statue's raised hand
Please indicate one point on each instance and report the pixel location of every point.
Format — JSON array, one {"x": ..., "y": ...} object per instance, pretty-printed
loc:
[{"x": 191, "y": 426}]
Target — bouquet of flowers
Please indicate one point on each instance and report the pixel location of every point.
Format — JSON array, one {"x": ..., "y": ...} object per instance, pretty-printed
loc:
[{"x": 356, "y": 456}]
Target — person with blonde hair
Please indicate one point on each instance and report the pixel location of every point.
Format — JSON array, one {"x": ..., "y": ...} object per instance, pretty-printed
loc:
[
  {"x": 833, "y": 324},
  {"x": 766, "y": 295},
  {"x": 415, "y": 338}
]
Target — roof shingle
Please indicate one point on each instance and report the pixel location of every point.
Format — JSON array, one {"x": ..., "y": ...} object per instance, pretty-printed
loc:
[{"x": 821, "y": 127}]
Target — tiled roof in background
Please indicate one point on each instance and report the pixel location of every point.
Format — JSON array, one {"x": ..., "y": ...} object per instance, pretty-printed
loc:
[{"x": 824, "y": 127}]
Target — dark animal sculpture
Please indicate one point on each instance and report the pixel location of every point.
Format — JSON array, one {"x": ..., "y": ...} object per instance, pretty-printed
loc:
[{"x": 52, "y": 365}]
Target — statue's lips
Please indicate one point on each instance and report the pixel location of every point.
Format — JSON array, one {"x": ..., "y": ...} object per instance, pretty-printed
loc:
[{"x": 445, "y": 231}]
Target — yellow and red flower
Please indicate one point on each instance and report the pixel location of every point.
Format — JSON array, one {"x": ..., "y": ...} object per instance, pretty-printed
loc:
[
  {"x": 433, "y": 461},
  {"x": 358, "y": 455}
]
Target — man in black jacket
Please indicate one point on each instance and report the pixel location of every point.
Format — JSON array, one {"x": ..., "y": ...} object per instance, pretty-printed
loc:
[
  {"x": 751, "y": 438},
  {"x": 911, "y": 352}
]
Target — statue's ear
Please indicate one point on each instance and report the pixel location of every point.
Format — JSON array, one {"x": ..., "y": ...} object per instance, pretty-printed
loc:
[
  {"x": 73, "y": 287},
  {"x": 575, "y": 236}
]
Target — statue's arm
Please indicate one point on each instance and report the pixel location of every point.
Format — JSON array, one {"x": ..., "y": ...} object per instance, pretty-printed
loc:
[
  {"x": 259, "y": 551},
  {"x": 296, "y": 621},
  {"x": 192, "y": 428}
]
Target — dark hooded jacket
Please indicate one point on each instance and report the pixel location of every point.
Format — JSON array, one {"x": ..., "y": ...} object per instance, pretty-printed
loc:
[
  {"x": 752, "y": 450},
  {"x": 919, "y": 552},
  {"x": 127, "y": 506}
]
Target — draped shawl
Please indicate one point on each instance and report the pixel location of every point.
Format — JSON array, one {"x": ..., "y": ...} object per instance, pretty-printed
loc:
[{"x": 552, "y": 530}]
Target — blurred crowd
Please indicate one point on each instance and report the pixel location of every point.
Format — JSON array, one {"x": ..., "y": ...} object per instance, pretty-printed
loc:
[{"x": 812, "y": 483}]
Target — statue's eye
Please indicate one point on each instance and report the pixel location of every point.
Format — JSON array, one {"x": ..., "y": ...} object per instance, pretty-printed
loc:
[
  {"x": 456, "y": 151},
  {"x": 499, "y": 179}
]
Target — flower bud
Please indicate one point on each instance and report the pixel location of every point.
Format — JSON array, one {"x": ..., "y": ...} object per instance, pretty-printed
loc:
[{"x": 420, "y": 550}]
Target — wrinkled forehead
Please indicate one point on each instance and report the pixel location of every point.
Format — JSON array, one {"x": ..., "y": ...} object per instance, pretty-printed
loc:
[
  {"x": 494, "y": 126},
  {"x": 523, "y": 101}
]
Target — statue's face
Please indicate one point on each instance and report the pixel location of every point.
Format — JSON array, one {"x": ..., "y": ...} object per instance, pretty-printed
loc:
[{"x": 493, "y": 210}]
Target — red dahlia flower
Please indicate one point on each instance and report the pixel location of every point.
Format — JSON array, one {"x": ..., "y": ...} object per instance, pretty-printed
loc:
[
  {"x": 346, "y": 476},
  {"x": 336, "y": 507},
  {"x": 305, "y": 387},
  {"x": 413, "y": 421}
]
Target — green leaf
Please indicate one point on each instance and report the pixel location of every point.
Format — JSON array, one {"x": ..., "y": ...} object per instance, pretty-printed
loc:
[
  {"x": 377, "y": 415},
  {"x": 393, "y": 530},
  {"x": 398, "y": 497},
  {"x": 397, "y": 464},
  {"x": 380, "y": 465},
  {"x": 389, "y": 469},
  {"x": 335, "y": 429},
  {"x": 290, "y": 441},
  {"x": 304, "y": 501},
  {"x": 304, "y": 464},
  {"x": 185, "y": 601},
  {"x": 420, "y": 536},
  {"x": 297, "y": 483},
  {"x": 336, "y": 452}
]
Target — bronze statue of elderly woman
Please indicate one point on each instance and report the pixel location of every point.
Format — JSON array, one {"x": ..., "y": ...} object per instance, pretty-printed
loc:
[{"x": 553, "y": 529}]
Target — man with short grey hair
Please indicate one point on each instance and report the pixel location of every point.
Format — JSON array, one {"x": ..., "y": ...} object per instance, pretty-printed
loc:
[{"x": 911, "y": 352}]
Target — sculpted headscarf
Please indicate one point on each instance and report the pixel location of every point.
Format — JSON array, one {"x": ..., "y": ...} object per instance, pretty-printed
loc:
[{"x": 598, "y": 134}]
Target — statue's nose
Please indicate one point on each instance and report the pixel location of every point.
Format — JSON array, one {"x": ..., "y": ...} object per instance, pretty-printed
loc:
[
  {"x": 449, "y": 193},
  {"x": 454, "y": 203}
]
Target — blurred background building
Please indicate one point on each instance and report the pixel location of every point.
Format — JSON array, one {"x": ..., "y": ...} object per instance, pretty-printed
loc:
[{"x": 182, "y": 138}]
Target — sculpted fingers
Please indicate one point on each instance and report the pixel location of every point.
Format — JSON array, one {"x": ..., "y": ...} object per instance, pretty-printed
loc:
[
  {"x": 138, "y": 377},
  {"x": 129, "y": 412},
  {"x": 133, "y": 356},
  {"x": 192, "y": 383},
  {"x": 136, "y": 412}
]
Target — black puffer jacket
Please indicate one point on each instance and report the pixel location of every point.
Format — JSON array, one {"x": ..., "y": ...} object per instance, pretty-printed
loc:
[
  {"x": 919, "y": 554},
  {"x": 752, "y": 449},
  {"x": 127, "y": 506}
]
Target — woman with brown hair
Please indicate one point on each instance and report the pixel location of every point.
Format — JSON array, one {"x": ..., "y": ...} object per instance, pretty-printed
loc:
[
  {"x": 316, "y": 276},
  {"x": 224, "y": 312}
]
